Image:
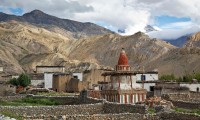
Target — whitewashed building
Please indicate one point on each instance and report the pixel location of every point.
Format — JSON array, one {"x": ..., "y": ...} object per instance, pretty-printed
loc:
[
  {"x": 48, "y": 80},
  {"x": 192, "y": 86},
  {"x": 78, "y": 75},
  {"x": 147, "y": 76}
]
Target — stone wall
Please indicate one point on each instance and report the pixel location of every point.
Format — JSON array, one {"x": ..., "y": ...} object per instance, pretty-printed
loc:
[
  {"x": 87, "y": 109},
  {"x": 186, "y": 104},
  {"x": 195, "y": 95},
  {"x": 121, "y": 116},
  {"x": 11, "y": 98},
  {"x": 178, "y": 116},
  {"x": 109, "y": 107},
  {"x": 186, "y": 101}
]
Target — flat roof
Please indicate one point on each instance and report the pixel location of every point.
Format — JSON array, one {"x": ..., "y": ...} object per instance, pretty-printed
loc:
[
  {"x": 48, "y": 66},
  {"x": 62, "y": 74},
  {"x": 118, "y": 73}
]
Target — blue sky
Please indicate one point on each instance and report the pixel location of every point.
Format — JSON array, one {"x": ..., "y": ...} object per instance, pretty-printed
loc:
[
  {"x": 165, "y": 19},
  {"x": 16, "y": 11},
  {"x": 130, "y": 15}
]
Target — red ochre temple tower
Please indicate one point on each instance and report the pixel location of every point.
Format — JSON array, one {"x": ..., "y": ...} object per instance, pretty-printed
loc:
[{"x": 122, "y": 87}]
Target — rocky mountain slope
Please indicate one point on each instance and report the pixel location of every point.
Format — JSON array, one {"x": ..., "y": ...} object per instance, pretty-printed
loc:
[
  {"x": 42, "y": 19},
  {"x": 179, "y": 42},
  {"x": 24, "y": 46}
]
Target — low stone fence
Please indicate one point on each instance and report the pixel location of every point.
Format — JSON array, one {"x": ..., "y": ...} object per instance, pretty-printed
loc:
[
  {"x": 109, "y": 107},
  {"x": 195, "y": 95},
  {"x": 87, "y": 109},
  {"x": 11, "y": 98},
  {"x": 182, "y": 101},
  {"x": 121, "y": 116},
  {"x": 178, "y": 116},
  {"x": 186, "y": 104},
  {"x": 176, "y": 96}
]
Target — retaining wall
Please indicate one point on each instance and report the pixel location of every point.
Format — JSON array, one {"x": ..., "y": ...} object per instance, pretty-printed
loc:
[
  {"x": 178, "y": 116},
  {"x": 121, "y": 116},
  {"x": 183, "y": 100},
  {"x": 88, "y": 109},
  {"x": 11, "y": 98},
  {"x": 109, "y": 107}
]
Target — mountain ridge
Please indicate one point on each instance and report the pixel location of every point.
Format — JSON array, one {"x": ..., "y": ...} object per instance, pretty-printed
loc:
[
  {"x": 24, "y": 45},
  {"x": 40, "y": 18}
]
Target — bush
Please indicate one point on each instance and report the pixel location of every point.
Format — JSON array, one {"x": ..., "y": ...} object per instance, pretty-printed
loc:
[
  {"x": 23, "y": 80},
  {"x": 168, "y": 77},
  {"x": 14, "y": 82}
]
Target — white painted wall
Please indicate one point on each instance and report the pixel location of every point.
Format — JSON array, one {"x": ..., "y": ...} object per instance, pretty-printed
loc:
[
  {"x": 1, "y": 69},
  {"x": 125, "y": 83},
  {"x": 49, "y": 69},
  {"x": 79, "y": 75},
  {"x": 147, "y": 85},
  {"x": 15, "y": 76},
  {"x": 36, "y": 82},
  {"x": 192, "y": 87},
  {"x": 48, "y": 79},
  {"x": 133, "y": 101},
  {"x": 136, "y": 95},
  {"x": 149, "y": 77}
]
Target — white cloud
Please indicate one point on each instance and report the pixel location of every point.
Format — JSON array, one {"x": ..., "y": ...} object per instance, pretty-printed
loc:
[
  {"x": 131, "y": 15},
  {"x": 174, "y": 33},
  {"x": 178, "y": 25}
]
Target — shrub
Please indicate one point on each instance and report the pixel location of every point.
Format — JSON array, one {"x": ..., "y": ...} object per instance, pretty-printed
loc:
[
  {"x": 23, "y": 80},
  {"x": 168, "y": 77}
]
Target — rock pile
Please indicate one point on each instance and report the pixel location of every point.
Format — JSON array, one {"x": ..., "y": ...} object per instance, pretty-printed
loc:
[{"x": 2, "y": 117}]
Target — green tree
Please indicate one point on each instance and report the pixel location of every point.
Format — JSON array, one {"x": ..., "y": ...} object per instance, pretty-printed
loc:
[
  {"x": 24, "y": 80},
  {"x": 168, "y": 77},
  {"x": 197, "y": 76},
  {"x": 14, "y": 81},
  {"x": 187, "y": 78}
]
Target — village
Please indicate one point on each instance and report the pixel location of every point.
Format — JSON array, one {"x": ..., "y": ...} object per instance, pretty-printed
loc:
[{"x": 129, "y": 91}]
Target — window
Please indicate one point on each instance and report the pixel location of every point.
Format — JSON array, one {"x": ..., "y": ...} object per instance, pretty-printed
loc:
[
  {"x": 197, "y": 89},
  {"x": 76, "y": 77},
  {"x": 143, "y": 77},
  {"x": 151, "y": 88}
]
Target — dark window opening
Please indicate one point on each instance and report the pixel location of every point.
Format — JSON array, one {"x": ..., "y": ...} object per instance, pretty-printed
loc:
[
  {"x": 151, "y": 88},
  {"x": 197, "y": 89},
  {"x": 76, "y": 77},
  {"x": 143, "y": 77}
]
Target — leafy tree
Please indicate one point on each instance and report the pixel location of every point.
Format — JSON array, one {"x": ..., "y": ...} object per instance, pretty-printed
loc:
[
  {"x": 180, "y": 79},
  {"x": 187, "y": 78},
  {"x": 23, "y": 80},
  {"x": 197, "y": 76},
  {"x": 168, "y": 77},
  {"x": 14, "y": 81}
]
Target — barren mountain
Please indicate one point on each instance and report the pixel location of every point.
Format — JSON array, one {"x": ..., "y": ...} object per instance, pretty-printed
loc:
[
  {"x": 24, "y": 45},
  {"x": 42, "y": 19},
  {"x": 193, "y": 40}
]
